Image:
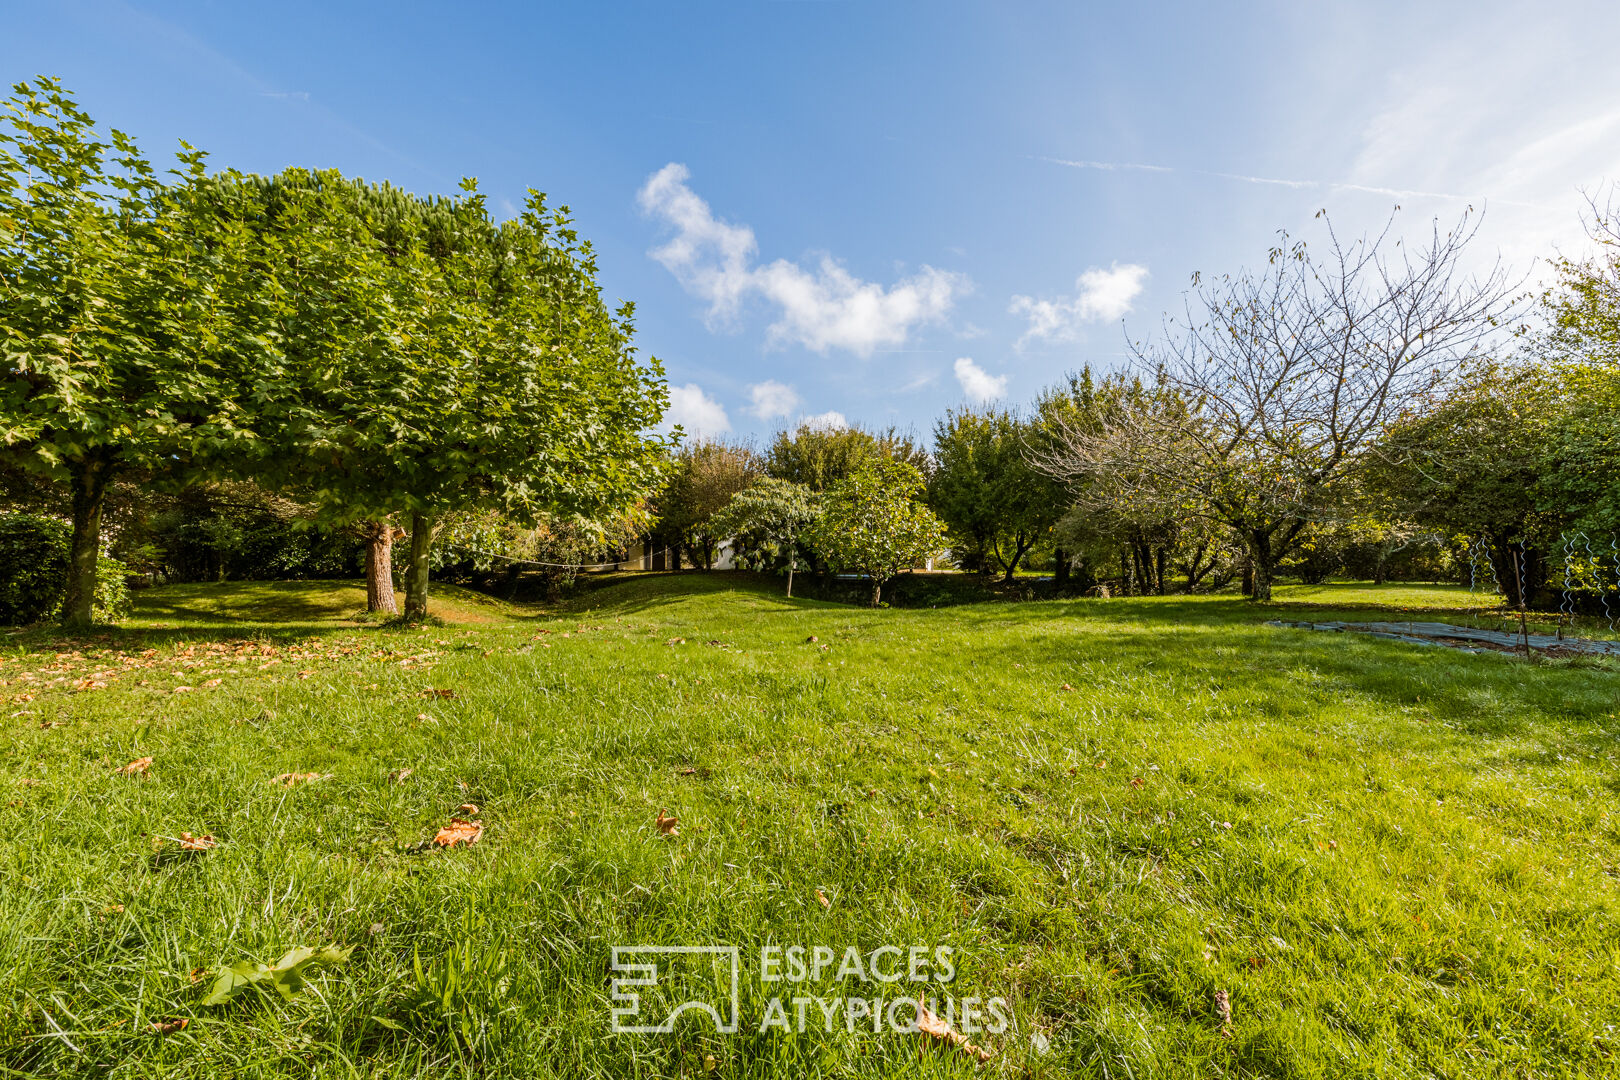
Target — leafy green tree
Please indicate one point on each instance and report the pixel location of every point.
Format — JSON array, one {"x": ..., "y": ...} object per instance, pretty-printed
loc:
[
  {"x": 820, "y": 457},
  {"x": 1583, "y": 306},
  {"x": 437, "y": 362},
  {"x": 873, "y": 523},
  {"x": 996, "y": 503},
  {"x": 778, "y": 512},
  {"x": 1122, "y": 509},
  {"x": 1469, "y": 460},
  {"x": 703, "y": 478},
  {"x": 119, "y": 314}
]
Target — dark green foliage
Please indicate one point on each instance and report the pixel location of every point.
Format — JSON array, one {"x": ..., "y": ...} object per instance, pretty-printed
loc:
[
  {"x": 238, "y": 531},
  {"x": 996, "y": 503},
  {"x": 33, "y": 567},
  {"x": 34, "y": 573},
  {"x": 819, "y": 457}
]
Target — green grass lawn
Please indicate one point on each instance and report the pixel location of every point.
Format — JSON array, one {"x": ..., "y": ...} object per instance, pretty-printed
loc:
[{"x": 1394, "y": 861}]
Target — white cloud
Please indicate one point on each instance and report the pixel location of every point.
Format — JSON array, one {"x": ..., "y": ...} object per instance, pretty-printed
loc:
[
  {"x": 1099, "y": 295},
  {"x": 698, "y": 413},
  {"x": 772, "y": 399},
  {"x": 822, "y": 308},
  {"x": 979, "y": 385},
  {"x": 827, "y": 421}
]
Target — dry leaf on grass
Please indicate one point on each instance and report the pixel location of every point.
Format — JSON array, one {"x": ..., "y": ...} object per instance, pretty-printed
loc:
[
  {"x": 288, "y": 779},
  {"x": 399, "y": 776},
  {"x": 940, "y": 1028},
  {"x": 168, "y": 1027},
  {"x": 469, "y": 809},
  {"x": 137, "y": 767},
  {"x": 822, "y": 898},
  {"x": 184, "y": 689},
  {"x": 688, "y": 771},
  {"x": 430, "y": 692},
  {"x": 1137, "y": 781},
  {"x": 212, "y": 683},
  {"x": 1223, "y": 1011},
  {"x": 668, "y": 825},
  {"x": 197, "y": 843},
  {"x": 1066, "y": 686},
  {"x": 459, "y": 831}
]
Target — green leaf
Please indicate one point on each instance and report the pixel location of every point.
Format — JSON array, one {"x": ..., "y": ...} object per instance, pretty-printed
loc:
[{"x": 286, "y": 976}]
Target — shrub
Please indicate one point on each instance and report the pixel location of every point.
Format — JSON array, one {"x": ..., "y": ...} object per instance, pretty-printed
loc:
[
  {"x": 112, "y": 601},
  {"x": 33, "y": 567},
  {"x": 34, "y": 572}
]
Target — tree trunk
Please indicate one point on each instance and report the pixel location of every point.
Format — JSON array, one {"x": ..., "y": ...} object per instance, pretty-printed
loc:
[
  {"x": 1060, "y": 568},
  {"x": 380, "y": 567},
  {"x": 416, "y": 578},
  {"x": 793, "y": 562},
  {"x": 89, "y": 479},
  {"x": 1260, "y": 558},
  {"x": 877, "y": 592},
  {"x": 1248, "y": 576},
  {"x": 1159, "y": 572}
]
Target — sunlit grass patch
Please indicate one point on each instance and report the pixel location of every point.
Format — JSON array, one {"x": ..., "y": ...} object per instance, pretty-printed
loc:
[{"x": 1395, "y": 861}]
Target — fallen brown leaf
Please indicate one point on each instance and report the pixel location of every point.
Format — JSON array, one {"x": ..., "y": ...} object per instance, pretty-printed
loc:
[
  {"x": 688, "y": 771},
  {"x": 469, "y": 809},
  {"x": 212, "y": 683},
  {"x": 939, "y": 1028},
  {"x": 668, "y": 825},
  {"x": 1137, "y": 781},
  {"x": 197, "y": 843},
  {"x": 288, "y": 779},
  {"x": 1066, "y": 686},
  {"x": 137, "y": 767},
  {"x": 430, "y": 692},
  {"x": 459, "y": 831},
  {"x": 1223, "y": 1011},
  {"x": 399, "y": 776},
  {"x": 822, "y": 897},
  {"x": 168, "y": 1027}
]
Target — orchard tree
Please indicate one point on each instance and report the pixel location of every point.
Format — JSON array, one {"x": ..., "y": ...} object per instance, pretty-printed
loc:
[
  {"x": 1583, "y": 306},
  {"x": 1289, "y": 376},
  {"x": 819, "y": 456},
  {"x": 995, "y": 501},
  {"x": 703, "y": 478},
  {"x": 873, "y": 523},
  {"x": 119, "y": 314},
  {"x": 1120, "y": 511},
  {"x": 777, "y": 512}
]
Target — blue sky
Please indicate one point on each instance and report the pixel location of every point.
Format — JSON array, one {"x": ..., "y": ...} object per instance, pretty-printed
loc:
[{"x": 872, "y": 211}]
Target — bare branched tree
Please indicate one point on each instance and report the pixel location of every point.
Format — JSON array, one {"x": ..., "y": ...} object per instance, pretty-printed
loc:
[{"x": 1287, "y": 376}]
